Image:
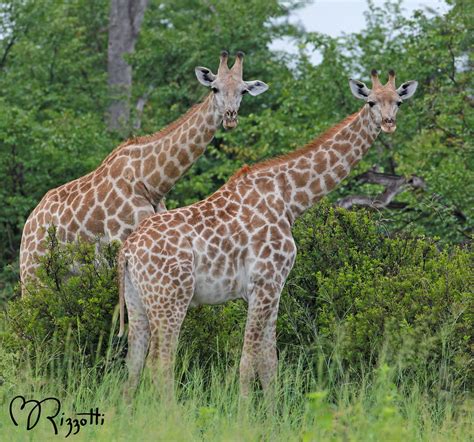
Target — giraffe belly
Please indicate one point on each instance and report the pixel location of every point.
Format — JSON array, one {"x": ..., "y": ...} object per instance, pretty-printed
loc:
[{"x": 211, "y": 290}]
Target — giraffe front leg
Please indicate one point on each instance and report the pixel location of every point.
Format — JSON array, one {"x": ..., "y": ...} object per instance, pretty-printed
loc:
[
  {"x": 259, "y": 351},
  {"x": 152, "y": 357},
  {"x": 267, "y": 361}
]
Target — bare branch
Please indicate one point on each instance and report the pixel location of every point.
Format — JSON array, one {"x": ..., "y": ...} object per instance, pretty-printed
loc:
[
  {"x": 8, "y": 47},
  {"x": 141, "y": 102},
  {"x": 389, "y": 146},
  {"x": 394, "y": 184}
]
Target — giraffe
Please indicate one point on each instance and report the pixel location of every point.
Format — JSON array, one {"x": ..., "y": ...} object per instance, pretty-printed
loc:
[
  {"x": 131, "y": 182},
  {"x": 237, "y": 243}
]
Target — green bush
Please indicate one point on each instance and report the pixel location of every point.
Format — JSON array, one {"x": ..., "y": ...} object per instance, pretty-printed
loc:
[
  {"x": 354, "y": 285},
  {"x": 71, "y": 305}
]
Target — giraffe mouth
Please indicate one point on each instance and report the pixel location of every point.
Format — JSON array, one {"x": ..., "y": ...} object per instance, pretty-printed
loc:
[
  {"x": 389, "y": 128},
  {"x": 230, "y": 124}
]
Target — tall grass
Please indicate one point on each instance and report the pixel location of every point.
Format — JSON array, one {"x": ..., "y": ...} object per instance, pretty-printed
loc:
[{"x": 317, "y": 401}]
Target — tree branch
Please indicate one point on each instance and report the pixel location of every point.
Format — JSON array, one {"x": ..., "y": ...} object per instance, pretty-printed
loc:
[
  {"x": 8, "y": 47},
  {"x": 141, "y": 102},
  {"x": 394, "y": 184},
  {"x": 389, "y": 146}
]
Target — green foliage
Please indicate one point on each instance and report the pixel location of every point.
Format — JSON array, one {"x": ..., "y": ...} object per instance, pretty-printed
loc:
[
  {"x": 210, "y": 333},
  {"x": 67, "y": 311},
  {"x": 179, "y": 35},
  {"x": 372, "y": 290},
  {"x": 53, "y": 95},
  {"x": 403, "y": 298}
]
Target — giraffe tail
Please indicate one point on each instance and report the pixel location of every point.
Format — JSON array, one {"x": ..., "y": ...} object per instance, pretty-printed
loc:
[{"x": 121, "y": 267}]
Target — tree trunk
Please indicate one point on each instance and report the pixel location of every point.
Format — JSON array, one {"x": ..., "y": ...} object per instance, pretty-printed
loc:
[{"x": 125, "y": 20}]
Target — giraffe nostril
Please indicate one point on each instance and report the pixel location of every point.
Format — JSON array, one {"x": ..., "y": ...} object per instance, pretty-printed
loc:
[{"x": 231, "y": 115}]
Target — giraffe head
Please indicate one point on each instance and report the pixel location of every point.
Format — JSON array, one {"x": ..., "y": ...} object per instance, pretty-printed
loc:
[
  {"x": 228, "y": 87},
  {"x": 383, "y": 100}
]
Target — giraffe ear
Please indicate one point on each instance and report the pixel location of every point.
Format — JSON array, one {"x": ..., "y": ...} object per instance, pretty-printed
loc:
[
  {"x": 256, "y": 87},
  {"x": 204, "y": 75},
  {"x": 407, "y": 89},
  {"x": 359, "y": 89}
]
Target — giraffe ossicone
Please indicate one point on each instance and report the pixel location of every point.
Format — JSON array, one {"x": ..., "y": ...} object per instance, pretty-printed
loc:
[
  {"x": 237, "y": 243},
  {"x": 132, "y": 181}
]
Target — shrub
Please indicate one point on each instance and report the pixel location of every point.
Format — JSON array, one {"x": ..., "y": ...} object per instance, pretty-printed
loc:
[
  {"x": 71, "y": 305},
  {"x": 354, "y": 285}
]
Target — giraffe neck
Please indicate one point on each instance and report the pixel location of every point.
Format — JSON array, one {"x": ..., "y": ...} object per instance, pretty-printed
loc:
[
  {"x": 160, "y": 160},
  {"x": 306, "y": 175}
]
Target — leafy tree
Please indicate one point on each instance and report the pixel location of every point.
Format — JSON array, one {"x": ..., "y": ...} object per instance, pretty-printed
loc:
[{"x": 53, "y": 96}]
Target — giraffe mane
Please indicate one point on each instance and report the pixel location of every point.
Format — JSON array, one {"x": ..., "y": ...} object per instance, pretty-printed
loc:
[
  {"x": 244, "y": 170},
  {"x": 283, "y": 158},
  {"x": 157, "y": 135}
]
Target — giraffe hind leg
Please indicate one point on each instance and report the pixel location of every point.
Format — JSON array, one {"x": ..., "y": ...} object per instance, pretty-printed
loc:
[
  {"x": 167, "y": 308},
  {"x": 138, "y": 337}
]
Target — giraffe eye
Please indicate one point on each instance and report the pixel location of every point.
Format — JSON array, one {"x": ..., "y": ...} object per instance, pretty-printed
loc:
[
  {"x": 399, "y": 103},
  {"x": 244, "y": 91},
  {"x": 214, "y": 89},
  {"x": 371, "y": 103}
]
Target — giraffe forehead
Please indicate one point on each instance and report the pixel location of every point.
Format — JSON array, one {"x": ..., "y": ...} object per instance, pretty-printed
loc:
[
  {"x": 229, "y": 81},
  {"x": 385, "y": 94}
]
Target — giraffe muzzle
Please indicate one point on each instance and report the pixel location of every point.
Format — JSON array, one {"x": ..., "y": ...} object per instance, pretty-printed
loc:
[
  {"x": 388, "y": 125},
  {"x": 230, "y": 120}
]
